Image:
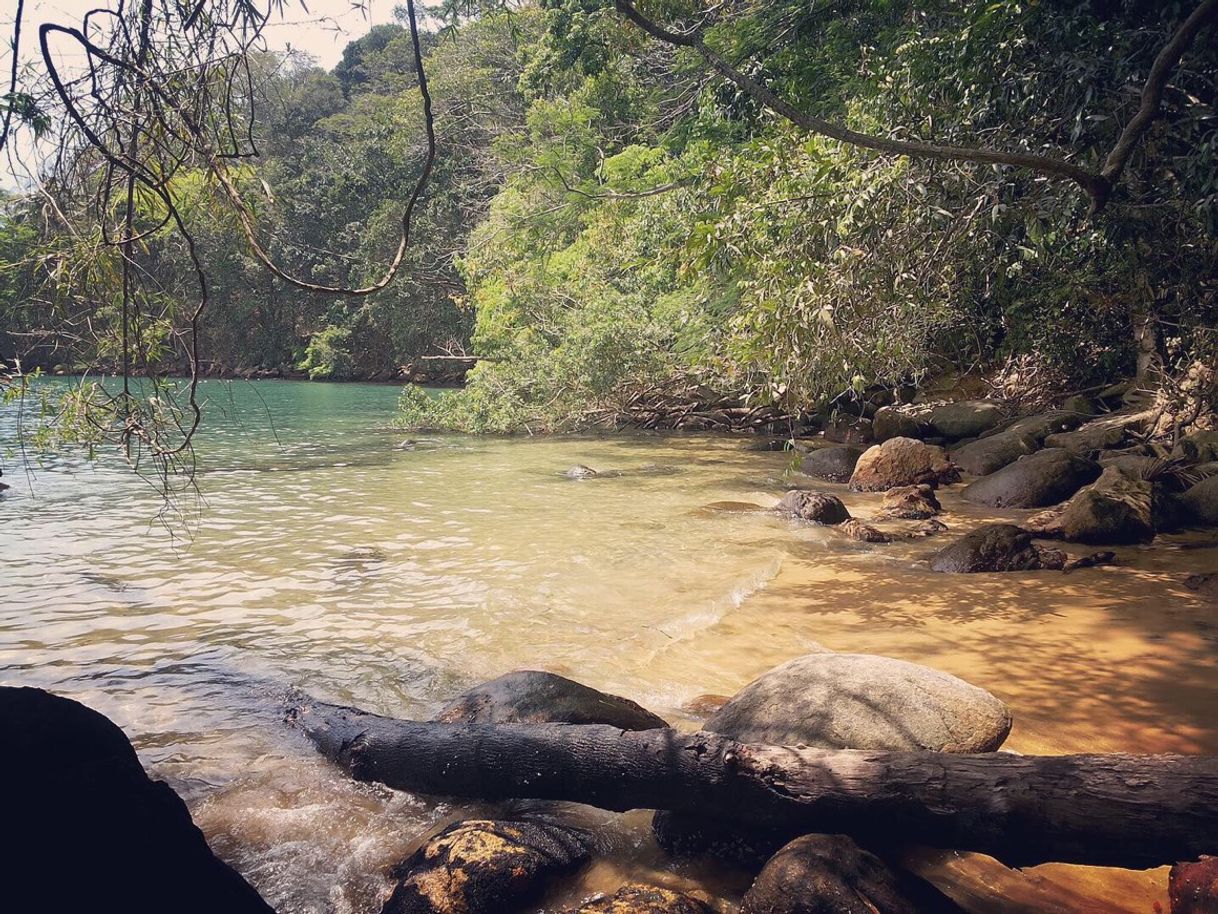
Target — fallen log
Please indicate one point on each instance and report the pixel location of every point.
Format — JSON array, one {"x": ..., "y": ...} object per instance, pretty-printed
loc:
[{"x": 1130, "y": 811}]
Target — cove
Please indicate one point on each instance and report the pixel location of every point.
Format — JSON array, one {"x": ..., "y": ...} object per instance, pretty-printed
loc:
[{"x": 323, "y": 553}]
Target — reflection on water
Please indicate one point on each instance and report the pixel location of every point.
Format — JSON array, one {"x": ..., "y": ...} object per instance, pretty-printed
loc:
[{"x": 328, "y": 555}]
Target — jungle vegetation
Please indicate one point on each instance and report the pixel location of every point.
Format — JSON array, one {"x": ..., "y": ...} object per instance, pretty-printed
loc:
[{"x": 777, "y": 200}]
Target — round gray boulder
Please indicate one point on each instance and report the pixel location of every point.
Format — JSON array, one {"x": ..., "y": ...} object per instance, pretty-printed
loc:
[
  {"x": 817, "y": 507},
  {"x": 862, "y": 701}
]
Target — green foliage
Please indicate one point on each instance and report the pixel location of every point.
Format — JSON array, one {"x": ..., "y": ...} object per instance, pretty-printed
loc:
[{"x": 328, "y": 355}]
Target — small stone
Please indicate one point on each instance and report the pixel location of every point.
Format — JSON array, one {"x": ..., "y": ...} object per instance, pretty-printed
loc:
[{"x": 579, "y": 471}]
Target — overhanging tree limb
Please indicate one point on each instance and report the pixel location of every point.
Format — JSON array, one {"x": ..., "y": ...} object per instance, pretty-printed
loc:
[{"x": 1098, "y": 186}]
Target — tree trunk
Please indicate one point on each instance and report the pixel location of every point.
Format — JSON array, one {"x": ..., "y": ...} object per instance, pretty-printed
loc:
[{"x": 1106, "y": 810}]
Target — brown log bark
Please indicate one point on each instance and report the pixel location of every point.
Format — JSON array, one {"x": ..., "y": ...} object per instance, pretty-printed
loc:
[{"x": 1106, "y": 810}]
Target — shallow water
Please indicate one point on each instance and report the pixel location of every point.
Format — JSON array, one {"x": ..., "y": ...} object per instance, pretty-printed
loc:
[{"x": 324, "y": 555}]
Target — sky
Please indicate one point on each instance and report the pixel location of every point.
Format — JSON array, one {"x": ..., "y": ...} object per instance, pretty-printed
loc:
[{"x": 323, "y": 31}]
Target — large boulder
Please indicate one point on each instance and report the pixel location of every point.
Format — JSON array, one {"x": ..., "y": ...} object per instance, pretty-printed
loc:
[
  {"x": 1035, "y": 481},
  {"x": 1201, "y": 502},
  {"x": 1117, "y": 508},
  {"x": 1091, "y": 438},
  {"x": 485, "y": 866},
  {"x": 862, "y": 701},
  {"x": 890, "y": 422},
  {"x": 1040, "y": 426},
  {"x": 990, "y": 454},
  {"x": 965, "y": 418},
  {"x": 830, "y": 874},
  {"x": 837, "y": 701},
  {"x": 995, "y": 547},
  {"x": 536, "y": 697},
  {"x": 902, "y": 462},
  {"x": 1193, "y": 887},
  {"x": 635, "y": 898},
  {"x": 88, "y": 830},
  {"x": 816, "y": 507},
  {"x": 910, "y": 503},
  {"x": 832, "y": 464}
]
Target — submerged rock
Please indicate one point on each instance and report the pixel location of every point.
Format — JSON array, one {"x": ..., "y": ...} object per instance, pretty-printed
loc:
[
  {"x": 636, "y": 898},
  {"x": 832, "y": 464},
  {"x": 830, "y": 874},
  {"x": 817, "y": 507},
  {"x": 910, "y": 503},
  {"x": 579, "y": 471},
  {"x": 863, "y": 701},
  {"x": 988, "y": 455},
  {"x": 901, "y": 462},
  {"x": 1035, "y": 481},
  {"x": 536, "y": 697},
  {"x": 965, "y": 418},
  {"x": 864, "y": 533},
  {"x": 995, "y": 547},
  {"x": 485, "y": 866},
  {"x": 89, "y": 830}
]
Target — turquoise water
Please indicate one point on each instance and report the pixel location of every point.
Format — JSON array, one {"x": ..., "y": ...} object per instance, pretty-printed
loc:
[{"x": 325, "y": 550}]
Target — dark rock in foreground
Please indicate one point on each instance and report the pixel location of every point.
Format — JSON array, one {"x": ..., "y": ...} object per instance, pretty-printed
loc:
[
  {"x": 536, "y": 697},
  {"x": 1035, "y": 481},
  {"x": 832, "y": 464},
  {"x": 830, "y": 874},
  {"x": 995, "y": 547},
  {"x": 816, "y": 507},
  {"x": 87, "y": 830},
  {"x": 485, "y": 866},
  {"x": 636, "y": 898}
]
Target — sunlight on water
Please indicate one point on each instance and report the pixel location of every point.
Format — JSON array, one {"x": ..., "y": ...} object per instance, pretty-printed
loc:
[{"x": 327, "y": 552}]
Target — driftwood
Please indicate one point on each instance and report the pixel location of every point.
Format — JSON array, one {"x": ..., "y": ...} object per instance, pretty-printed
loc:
[{"x": 1107, "y": 810}]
